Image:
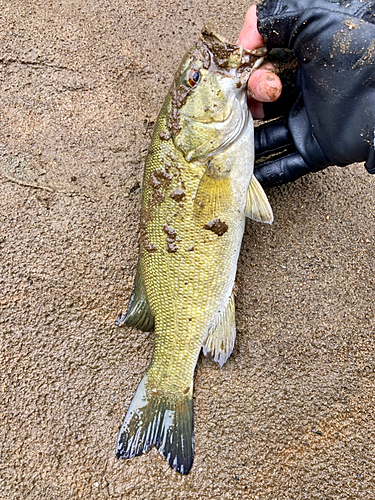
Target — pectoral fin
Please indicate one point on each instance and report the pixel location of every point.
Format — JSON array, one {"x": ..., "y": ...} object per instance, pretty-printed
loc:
[
  {"x": 138, "y": 314},
  {"x": 220, "y": 340},
  {"x": 257, "y": 205},
  {"x": 213, "y": 194}
]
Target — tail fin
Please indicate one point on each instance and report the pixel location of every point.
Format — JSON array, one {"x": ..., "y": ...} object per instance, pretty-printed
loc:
[{"x": 155, "y": 419}]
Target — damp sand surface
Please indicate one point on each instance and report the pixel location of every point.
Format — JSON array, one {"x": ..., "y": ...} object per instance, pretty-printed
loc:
[{"x": 291, "y": 414}]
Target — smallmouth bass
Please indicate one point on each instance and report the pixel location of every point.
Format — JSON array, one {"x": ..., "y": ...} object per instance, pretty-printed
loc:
[{"x": 198, "y": 188}]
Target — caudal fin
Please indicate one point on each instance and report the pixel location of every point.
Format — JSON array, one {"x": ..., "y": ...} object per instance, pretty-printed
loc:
[{"x": 155, "y": 419}]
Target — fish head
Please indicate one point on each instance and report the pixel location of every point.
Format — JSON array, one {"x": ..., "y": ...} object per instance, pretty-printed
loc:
[{"x": 208, "y": 107}]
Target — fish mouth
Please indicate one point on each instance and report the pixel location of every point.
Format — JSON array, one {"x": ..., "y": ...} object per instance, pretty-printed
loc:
[
  {"x": 226, "y": 55},
  {"x": 227, "y": 130}
]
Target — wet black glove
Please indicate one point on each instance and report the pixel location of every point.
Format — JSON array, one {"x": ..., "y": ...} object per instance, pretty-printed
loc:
[{"x": 331, "y": 112}]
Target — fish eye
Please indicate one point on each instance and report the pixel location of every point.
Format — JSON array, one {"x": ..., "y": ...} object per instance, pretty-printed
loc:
[{"x": 193, "y": 78}]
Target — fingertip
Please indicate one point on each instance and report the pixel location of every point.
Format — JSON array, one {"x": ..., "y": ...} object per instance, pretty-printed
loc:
[
  {"x": 256, "y": 108},
  {"x": 264, "y": 86}
]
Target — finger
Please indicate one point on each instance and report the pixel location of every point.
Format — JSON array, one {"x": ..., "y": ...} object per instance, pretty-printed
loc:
[
  {"x": 256, "y": 108},
  {"x": 250, "y": 38},
  {"x": 264, "y": 85},
  {"x": 284, "y": 169}
]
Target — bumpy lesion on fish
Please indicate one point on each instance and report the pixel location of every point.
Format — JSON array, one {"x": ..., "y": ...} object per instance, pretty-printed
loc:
[
  {"x": 159, "y": 180},
  {"x": 178, "y": 194},
  {"x": 179, "y": 96},
  {"x": 153, "y": 181},
  {"x": 164, "y": 135},
  {"x": 147, "y": 245},
  {"x": 171, "y": 238},
  {"x": 181, "y": 91},
  {"x": 216, "y": 226}
]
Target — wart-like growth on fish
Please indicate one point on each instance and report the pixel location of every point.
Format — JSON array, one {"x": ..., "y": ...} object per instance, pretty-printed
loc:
[
  {"x": 198, "y": 188},
  {"x": 171, "y": 238},
  {"x": 177, "y": 194},
  {"x": 217, "y": 226}
]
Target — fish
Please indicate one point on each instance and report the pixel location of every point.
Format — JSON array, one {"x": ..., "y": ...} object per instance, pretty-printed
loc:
[{"x": 198, "y": 189}]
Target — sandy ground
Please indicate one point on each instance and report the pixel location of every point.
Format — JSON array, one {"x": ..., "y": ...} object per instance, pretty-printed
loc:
[{"x": 291, "y": 414}]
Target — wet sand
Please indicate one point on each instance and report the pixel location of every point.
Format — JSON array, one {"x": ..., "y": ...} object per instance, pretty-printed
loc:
[{"x": 291, "y": 414}]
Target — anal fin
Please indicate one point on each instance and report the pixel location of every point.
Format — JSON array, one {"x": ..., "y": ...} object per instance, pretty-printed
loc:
[
  {"x": 138, "y": 313},
  {"x": 257, "y": 205},
  {"x": 220, "y": 340}
]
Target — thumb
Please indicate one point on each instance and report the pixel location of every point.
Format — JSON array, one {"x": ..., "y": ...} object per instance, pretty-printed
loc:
[{"x": 250, "y": 38}]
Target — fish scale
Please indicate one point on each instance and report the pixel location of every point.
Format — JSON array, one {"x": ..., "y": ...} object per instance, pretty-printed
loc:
[{"x": 198, "y": 187}]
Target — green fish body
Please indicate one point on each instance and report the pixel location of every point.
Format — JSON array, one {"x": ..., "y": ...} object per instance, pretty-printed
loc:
[{"x": 198, "y": 188}]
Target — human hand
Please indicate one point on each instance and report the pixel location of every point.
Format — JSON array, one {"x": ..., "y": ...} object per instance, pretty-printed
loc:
[
  {"x": 331, "y": 119},
  {"x": 263, "y": 85}
]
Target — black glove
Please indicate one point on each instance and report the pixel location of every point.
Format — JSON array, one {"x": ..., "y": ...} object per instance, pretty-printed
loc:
[{"x": 331, "y": 111}]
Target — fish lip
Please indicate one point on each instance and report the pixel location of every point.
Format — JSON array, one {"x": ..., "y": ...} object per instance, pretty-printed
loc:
[
  {"x": 245, "y": 57},
  {"x": 246, "y": 69}
]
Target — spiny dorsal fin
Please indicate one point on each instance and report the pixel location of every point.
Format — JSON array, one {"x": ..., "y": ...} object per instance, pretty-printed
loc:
[
  {"x": 138, "y": 313},
  {"x": 257, "y": 205},
  {"x": 220, "y": 340}
]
